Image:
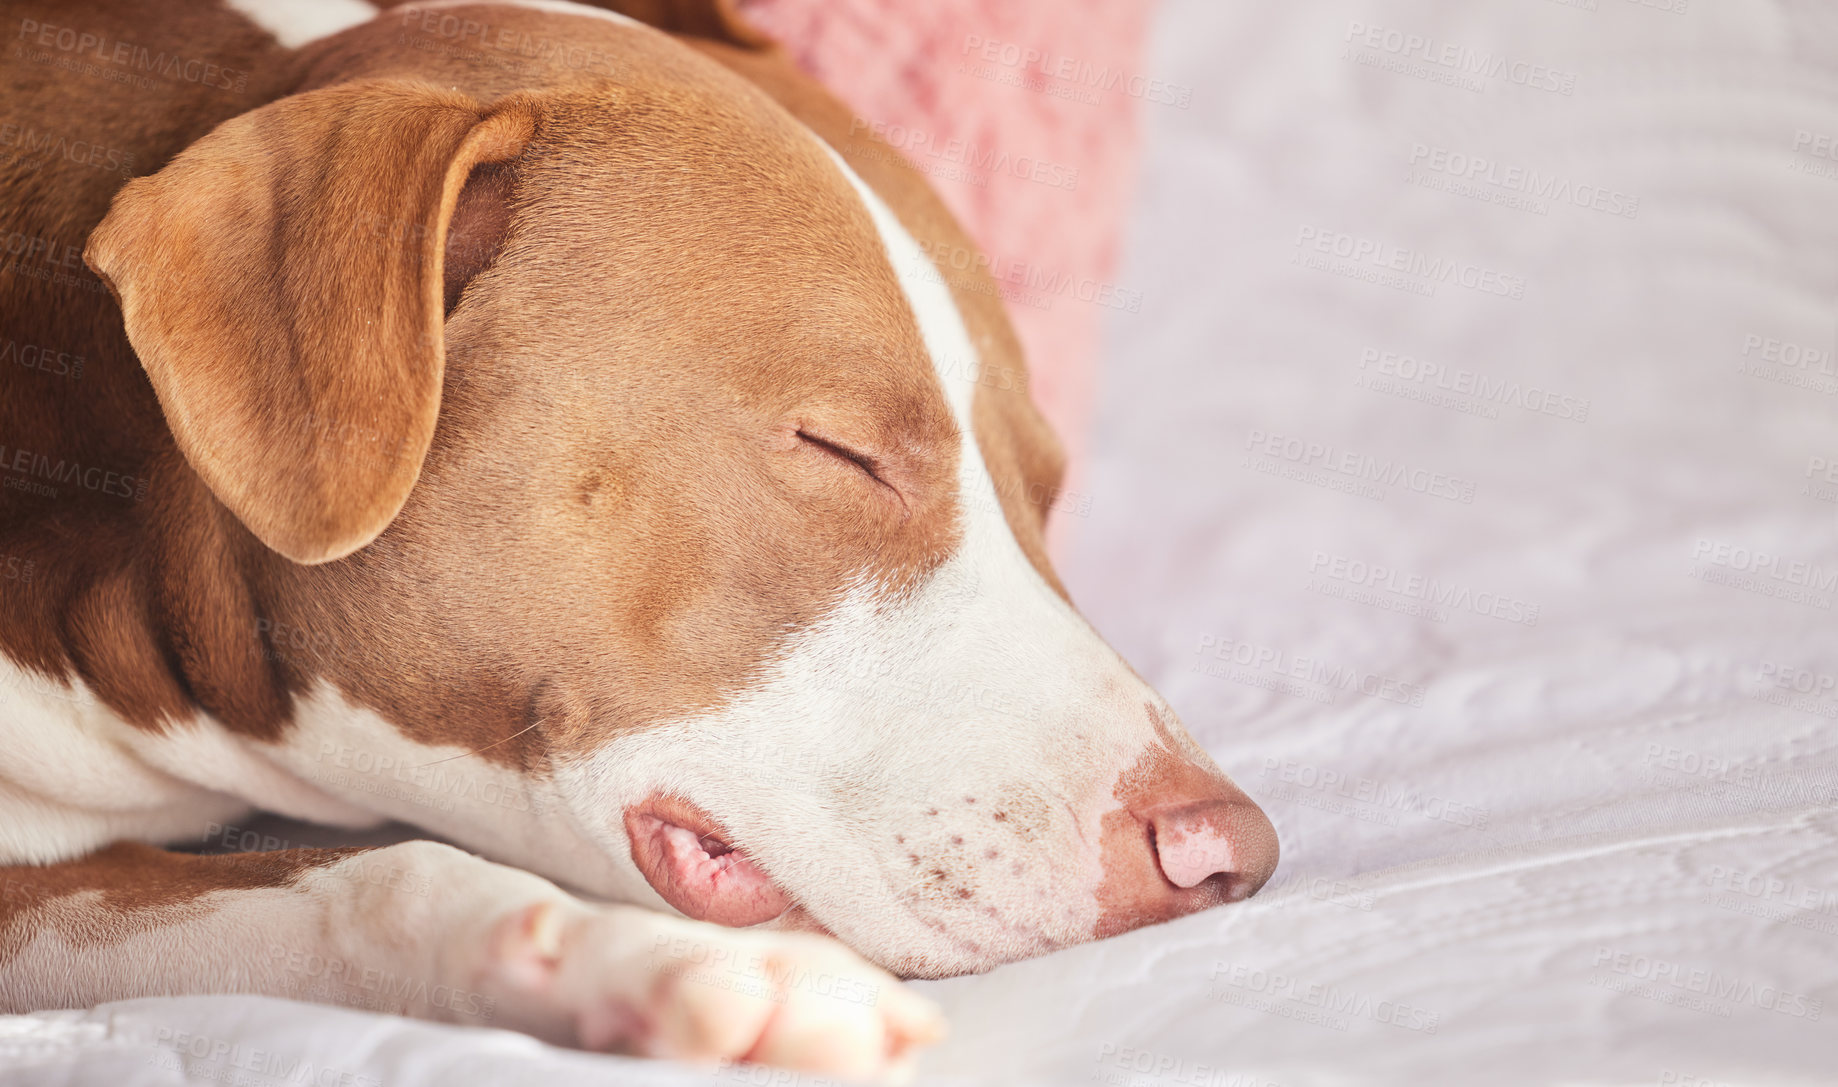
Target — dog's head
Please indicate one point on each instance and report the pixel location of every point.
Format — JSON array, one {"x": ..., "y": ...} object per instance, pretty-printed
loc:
[{"x": 702, "y": 495}]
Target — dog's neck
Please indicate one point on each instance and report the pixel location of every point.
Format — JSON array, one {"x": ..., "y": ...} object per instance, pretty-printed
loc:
[
  {"x": 123, "y": 540},
  {"x": 148, "y": 618}
]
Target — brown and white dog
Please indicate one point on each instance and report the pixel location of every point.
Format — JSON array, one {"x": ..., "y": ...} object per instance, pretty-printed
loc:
[{"x": 549, "y": 428}]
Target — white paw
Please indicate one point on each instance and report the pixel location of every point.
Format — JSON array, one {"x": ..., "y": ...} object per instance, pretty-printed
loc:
[{"x": 626, "y": 980}]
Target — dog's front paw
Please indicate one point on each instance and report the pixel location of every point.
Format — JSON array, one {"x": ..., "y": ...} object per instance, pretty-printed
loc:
[{"x": 626, "y": 980}]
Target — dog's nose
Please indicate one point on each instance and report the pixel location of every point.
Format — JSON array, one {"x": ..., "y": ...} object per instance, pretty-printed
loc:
[
  {"x": 1227, "y": 838},
  {"x": 1191, "y": 844}
]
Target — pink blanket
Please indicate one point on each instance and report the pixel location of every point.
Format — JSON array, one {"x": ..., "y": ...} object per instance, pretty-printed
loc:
[{"x": 1022, "y": 112}]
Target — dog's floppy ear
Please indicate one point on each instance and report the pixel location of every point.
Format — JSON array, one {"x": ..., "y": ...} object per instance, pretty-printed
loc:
[{"x": 283, "y": 282}]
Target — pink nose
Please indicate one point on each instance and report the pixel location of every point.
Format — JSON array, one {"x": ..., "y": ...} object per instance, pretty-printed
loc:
[
  {"x": 1225, "y": 837},
  {"x": 1187, "y": 842}
]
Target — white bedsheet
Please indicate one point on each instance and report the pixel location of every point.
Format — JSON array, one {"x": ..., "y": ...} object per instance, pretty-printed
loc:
[{"x": 1588, "y": 849}]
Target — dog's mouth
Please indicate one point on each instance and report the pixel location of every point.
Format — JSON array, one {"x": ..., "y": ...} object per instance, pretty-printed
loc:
[{"x": 692, "y": 862}]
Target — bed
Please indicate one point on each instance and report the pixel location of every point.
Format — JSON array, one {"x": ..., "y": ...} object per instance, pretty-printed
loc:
[{"x": 1462, "y": 470}]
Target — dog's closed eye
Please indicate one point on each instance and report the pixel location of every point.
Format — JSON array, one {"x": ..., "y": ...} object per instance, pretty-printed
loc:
[
  {"x": 843, "y": 453},
  {"x": 875, "y": 469}
]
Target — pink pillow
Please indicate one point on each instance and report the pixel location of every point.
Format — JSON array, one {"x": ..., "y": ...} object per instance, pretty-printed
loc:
[{"x": 1040, "y": 92}]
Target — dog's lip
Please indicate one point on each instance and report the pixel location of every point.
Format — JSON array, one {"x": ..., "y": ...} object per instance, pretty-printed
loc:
[{"x": 693, "y": 862}]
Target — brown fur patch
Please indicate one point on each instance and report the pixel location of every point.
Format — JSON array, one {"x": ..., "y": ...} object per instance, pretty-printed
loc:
[
  {"x": 1025, "y": 460},
  {"x": 616, "y": 521},
  {"x": 336, "y": 322},
  {"x": 95, "y": 488},
  {"x": 713, "y": 530},
  {"x": 140, "y": 887}
]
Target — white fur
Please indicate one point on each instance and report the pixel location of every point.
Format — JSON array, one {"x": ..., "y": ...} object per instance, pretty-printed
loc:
[
  {"x": 295, "y": 23},
  {"x": 351, "y": 752},
  {"x": 74, "y": 775},
  {"x": 361, "y": 917},
  {"x": 421, "y": 929},
  {"x": 914, "y": 716},
  {"x": 981, "y": 684}
]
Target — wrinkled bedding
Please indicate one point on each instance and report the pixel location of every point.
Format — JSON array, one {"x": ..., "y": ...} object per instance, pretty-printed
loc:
[{"x": 1464, "y": 481}]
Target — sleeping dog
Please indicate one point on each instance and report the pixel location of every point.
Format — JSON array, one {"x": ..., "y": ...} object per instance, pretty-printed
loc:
[{"x": 553, "y": 431}]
